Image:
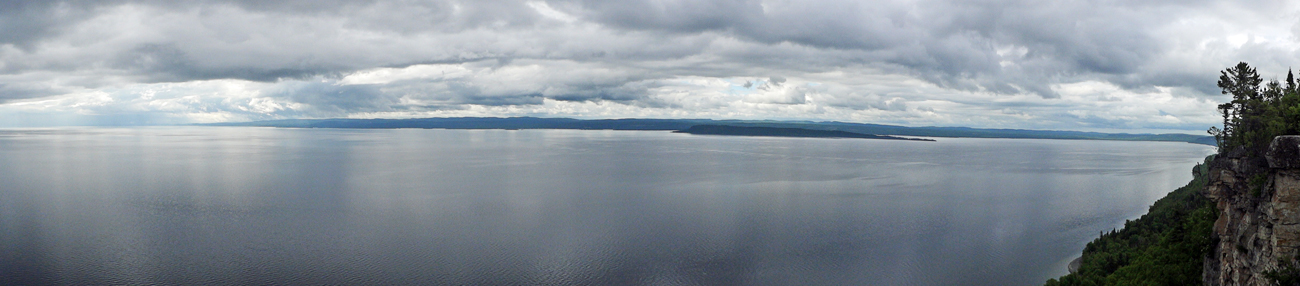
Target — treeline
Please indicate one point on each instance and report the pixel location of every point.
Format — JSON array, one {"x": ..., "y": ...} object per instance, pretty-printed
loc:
[
  {"x": 1166, "y": 246},
  {"x": 1256, "y": 113}
]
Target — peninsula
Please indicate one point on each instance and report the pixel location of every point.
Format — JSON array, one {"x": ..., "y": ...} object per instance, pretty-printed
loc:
[{"x": 783, "y": 132}]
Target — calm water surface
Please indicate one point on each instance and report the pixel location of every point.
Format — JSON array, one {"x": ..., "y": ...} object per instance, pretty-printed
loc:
[{"x": 236, "y": 205}]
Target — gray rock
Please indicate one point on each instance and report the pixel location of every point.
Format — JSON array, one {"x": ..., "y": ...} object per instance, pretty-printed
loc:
[
  {"x": 1284, "y": 152},
  {"x": 1255, "y": 231}
]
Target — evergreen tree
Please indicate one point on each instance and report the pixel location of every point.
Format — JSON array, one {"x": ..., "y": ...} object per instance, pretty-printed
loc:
[{"x": 1290, "y": 82}]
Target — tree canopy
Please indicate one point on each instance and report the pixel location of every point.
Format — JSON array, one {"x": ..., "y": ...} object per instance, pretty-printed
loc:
[{"x": 1257, "y": 113}]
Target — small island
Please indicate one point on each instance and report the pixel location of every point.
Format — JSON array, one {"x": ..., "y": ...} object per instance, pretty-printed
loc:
[{"x": 783, "y": 132}]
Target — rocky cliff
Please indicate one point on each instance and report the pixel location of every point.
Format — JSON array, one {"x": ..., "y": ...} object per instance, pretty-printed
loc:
[{"x": 1259, "y": 220}]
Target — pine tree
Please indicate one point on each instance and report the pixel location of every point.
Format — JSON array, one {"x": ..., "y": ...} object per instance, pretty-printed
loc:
[{"x": 1290, "y": 82}]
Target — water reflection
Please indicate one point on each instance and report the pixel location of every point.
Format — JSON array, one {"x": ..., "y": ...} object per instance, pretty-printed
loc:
[{"x": 326, "y": 206}]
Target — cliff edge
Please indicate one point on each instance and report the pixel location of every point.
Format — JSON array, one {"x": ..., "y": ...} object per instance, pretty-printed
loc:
[{"x": 1259, "y": 213}]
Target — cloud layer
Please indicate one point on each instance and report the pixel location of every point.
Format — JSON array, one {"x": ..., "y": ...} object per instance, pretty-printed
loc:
[{"x": 1084, "y": 65}]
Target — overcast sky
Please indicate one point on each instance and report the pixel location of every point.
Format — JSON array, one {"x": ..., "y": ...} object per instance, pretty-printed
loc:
[{"x": 1074, "y": 65}]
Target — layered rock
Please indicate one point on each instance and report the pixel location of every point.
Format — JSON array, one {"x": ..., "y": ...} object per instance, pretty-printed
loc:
[{"x": 1259, "y": 213}]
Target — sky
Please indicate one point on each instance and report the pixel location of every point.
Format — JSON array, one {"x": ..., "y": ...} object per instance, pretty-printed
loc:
[{"x": 1127, "y": 66}]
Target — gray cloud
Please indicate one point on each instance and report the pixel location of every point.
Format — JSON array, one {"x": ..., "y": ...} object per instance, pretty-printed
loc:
[
  {"x": 954, "y": 44},
  {"x": 27, "y": 21},
  {"x": 336, "y": 99},
  {"x": 169, "y": 63},
  {"x": 776, "y": 80},
  {"x": 649, "y": 54},
  {"x": 13, "y": 91}
]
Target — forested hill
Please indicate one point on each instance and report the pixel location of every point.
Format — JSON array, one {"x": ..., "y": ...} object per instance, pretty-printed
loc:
[
  {"x": 783, "y": 132},
  {"x": 681, "y": 124}
]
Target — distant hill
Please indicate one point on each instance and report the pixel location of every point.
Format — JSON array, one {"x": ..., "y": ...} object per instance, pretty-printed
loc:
[
  {"x": 682, "y": 124},
  {"x": 782, "y": 132}
]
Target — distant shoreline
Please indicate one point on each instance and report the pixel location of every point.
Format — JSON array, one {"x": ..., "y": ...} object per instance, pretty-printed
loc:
[
  {"x": 682, "y": 124},
  {"x": 726, "y": 130}
]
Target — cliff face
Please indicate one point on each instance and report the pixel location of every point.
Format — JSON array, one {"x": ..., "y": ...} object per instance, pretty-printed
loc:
[{"x": 1259, "y": 219}]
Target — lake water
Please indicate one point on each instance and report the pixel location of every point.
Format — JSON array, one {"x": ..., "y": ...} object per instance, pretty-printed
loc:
[{"x": 231, "y": 205}]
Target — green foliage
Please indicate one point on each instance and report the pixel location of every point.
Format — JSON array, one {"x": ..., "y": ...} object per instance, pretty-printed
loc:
[
  {"x": 1257, "y": 184},
  {"x": 1164, "y": 247},
  {"x": 1287, "y": 274},
  {"x": 1256, "y": 114}
]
